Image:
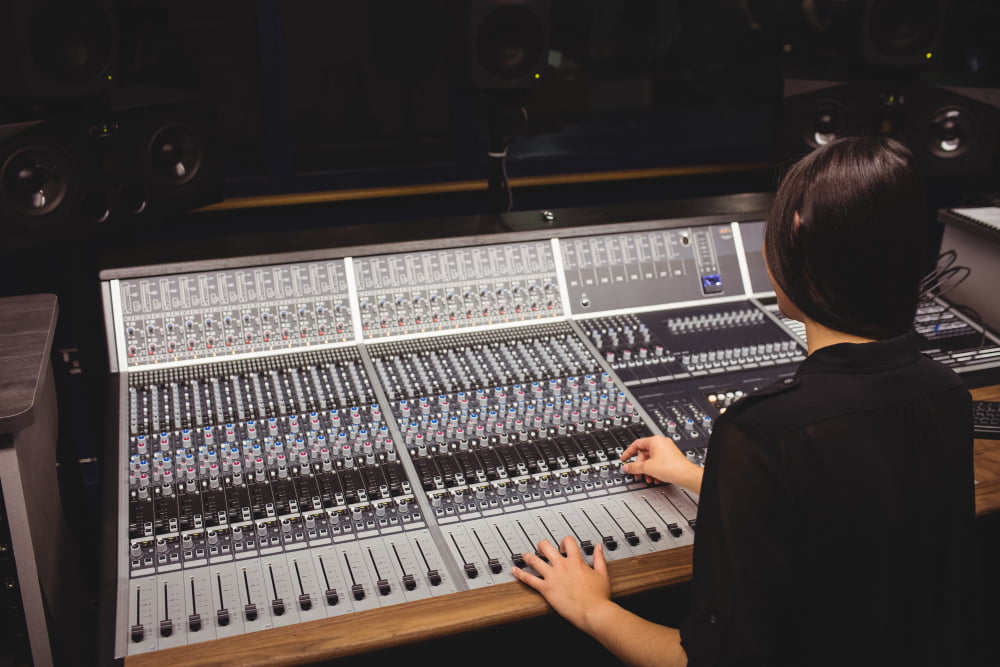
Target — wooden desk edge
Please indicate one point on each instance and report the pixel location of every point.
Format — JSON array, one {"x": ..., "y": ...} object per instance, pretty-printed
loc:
[
  {"x": 430, "y": 618},
  {"x": 987, "y": 497},
  {"x": 986, "y": 458}
]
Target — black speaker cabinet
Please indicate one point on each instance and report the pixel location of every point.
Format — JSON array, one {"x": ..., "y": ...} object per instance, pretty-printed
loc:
[
  {"x": 57, "y": 49},
  {"x": 901, "y": 33},
  {"x": 503, "y": 44},
  {"x": 152, "y": 153},
  {"x": 951, "y": 131},
  {"x": 168, "y": 151},
  {"x": 815, "y": 112},
  {"x": 50, "y": 180}
]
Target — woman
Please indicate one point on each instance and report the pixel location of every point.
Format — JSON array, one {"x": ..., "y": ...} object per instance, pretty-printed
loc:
[{"x": 836, "y": 508}]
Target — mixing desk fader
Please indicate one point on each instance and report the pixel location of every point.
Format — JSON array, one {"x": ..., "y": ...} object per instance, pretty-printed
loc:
[{"x": 309, "y": 438}]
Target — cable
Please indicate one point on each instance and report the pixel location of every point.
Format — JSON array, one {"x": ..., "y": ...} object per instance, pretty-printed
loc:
[
  {"x": 936, "y": 284},
  {"x": 946, "y": 275},
  {"x": 949, "y": 257},
  {"x": 945, "y": 270},
  {"x": 974, "y": 314},
  {"x": 502, "y": 157},
  {"x": 504, "y": 183}
]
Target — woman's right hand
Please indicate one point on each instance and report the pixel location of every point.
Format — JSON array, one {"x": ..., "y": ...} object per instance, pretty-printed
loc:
[{"x": 658, "y": 458}]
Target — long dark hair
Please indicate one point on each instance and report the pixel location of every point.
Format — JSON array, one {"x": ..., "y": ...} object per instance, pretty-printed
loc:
[{"x": 855, "y": 261}]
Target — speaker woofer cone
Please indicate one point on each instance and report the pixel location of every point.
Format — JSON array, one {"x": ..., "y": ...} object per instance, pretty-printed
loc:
[
  {"x": 176, "y": 154},
  {"x": 95, "y": 206},
  {"x": 826, "y": 121},
  {"x": 951, "y": 132},
  {"x": 35, "y": 180},
  {"x": 132, "y": 199}
]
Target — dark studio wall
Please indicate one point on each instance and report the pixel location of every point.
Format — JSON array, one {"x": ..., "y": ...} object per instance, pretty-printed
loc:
[
  {"x": 320, "y": 96},
  {"x": 676, "y": 98},
  {"x": 361, "y": 111},
  {"x": 140, "y": 123}
]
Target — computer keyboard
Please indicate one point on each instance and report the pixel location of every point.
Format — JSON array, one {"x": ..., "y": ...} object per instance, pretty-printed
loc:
[{"x": 986, "y": 419}]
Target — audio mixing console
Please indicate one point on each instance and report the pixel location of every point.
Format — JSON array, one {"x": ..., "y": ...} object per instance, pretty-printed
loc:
[{"x": 307, "y": 437}]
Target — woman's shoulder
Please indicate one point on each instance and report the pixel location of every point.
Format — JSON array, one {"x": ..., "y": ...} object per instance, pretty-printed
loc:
[
  {"x": 807, "y": 398},
  {"x": 778, "y": 391}
]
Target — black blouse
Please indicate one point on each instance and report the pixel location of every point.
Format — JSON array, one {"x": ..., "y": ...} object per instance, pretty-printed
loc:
[{"x": 835, "y": 523}]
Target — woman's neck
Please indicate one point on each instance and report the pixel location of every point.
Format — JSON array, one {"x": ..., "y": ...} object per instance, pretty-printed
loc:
[{"x": 819, "y": 336}]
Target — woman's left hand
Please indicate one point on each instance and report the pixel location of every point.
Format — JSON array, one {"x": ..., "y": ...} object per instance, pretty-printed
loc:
[{"x": 565, "y": 579}]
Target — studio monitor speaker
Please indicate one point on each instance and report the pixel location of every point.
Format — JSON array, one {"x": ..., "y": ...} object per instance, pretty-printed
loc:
[
  {"x": 152, "y": 153},
  {"x": 168, "y": 147},
  {"x": 815, "y": 112},
  {"x": 56, "y": 49},
  {"x": 503, "y": 44},
  {"x": 952, "y": 132},
  {"x": 901, "y": 33}
]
